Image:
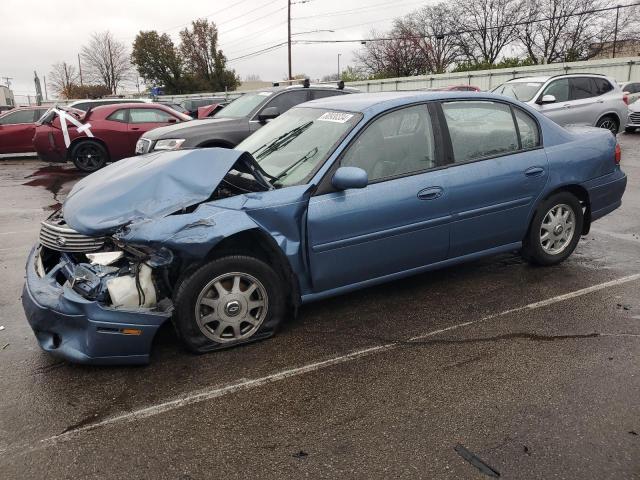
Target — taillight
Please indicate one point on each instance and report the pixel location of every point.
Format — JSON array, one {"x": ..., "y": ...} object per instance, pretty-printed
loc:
[
  {"x": 625, "y": 98},
  {"x": 618, "y": 156}
]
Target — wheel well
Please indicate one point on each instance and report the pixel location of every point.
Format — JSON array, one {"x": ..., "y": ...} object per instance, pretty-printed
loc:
[
  {"x": 581, "y": 194},
  {"x": 215, "y": 143},
  {"x": 76, "y": 141},
  {"x": 610, "y": 114},
  {"x": 255, "y": 243}
]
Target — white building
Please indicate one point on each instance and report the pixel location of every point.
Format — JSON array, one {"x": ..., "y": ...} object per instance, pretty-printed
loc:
[{"x": 6, "y": 96}]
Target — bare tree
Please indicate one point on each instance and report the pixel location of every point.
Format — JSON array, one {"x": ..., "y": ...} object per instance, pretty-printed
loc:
[
  {"x": 62, "y": 78},
  {"x": 570, "y": 30},
  {"x": 486, "y": 27},
  {"x": 391, "y": 55},
  {"x": 106, "y": 60},
  {"x": 424, "y": 28}
]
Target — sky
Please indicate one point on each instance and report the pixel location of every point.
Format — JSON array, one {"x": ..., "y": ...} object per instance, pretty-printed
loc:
[{"x": 36, "y": 34}]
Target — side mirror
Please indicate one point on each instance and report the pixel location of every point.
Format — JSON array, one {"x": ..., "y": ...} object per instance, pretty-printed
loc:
[
  {"x": 268, "y": 113},
  {"x": 548, "y": 99},
  {"x": 349, "y": 177}
]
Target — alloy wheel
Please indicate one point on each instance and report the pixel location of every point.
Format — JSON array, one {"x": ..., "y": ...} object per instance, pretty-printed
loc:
[
  {"x": 88, "y": 157},
  {"x": 557, "y": 229},
  {"x": 231, "y": 307}
]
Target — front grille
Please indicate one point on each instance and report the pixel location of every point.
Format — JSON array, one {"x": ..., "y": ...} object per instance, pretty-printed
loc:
[
  {"x": 56, "y": 235},
  {"x": 635, "y": 117}
]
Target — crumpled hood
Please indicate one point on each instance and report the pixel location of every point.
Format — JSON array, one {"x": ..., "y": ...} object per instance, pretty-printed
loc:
[{"x": 143, "y": 187}]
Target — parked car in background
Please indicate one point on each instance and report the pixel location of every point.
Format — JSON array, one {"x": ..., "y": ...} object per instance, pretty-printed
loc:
[
  {"x": 455, "y": 88},
  {"x": 176, "y": 106},
  {"x": 17, "y": 127},
  {"x": 85, "y": 105},
  {"x": 4, "y": 108},
  {"x": 334, "y": 195},
  {"x": 209, "y": 111},
  {"x": 633, "y": 121},
  {"x": 115, "y": 129},
  {"x": 192, "y": 104},
  {"x": 580, "y": 99},
  {"x": 236, "y": 121},
  {"x": 631, "y": 90}
]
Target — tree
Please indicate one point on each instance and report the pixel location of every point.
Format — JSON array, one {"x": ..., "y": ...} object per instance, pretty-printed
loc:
[
  {"x": 88, "y": 91},
  {"x": 487, "y": 26},
  {"x": 353, "y": 74},
  {"x": 61, "y": 78},
  {"x": 203, "y": 60},
  {"x": 158, "y": 61},
  {"x": 391, "y": 55},
  {"x": 424, "y": 28},
  {"x": 569, "y": 30},
  {"x": 106, "y": 60}
]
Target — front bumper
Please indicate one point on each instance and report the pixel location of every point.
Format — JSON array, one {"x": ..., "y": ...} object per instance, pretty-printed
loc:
[{"x": 71, "y": 327}]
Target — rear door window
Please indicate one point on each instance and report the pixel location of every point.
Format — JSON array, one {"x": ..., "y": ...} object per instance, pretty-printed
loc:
[
  {"x": 21, "y": 116},
  {"x": 528, "y": 128},
  {"x": 480, "y": 129},
  {"x": 559, "y": 89},
  {"x": 582, "y": 87},
  {"x": 149, "y": 115}
]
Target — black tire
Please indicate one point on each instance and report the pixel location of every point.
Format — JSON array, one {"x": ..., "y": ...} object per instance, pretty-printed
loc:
[
  {"x": 186, "y": 298},
  {"x": 630, "y": 129},
  {"x": 532, "y": 248},
  {"x": 89, "y": 155},
  {"x": 610, "y": 123}
]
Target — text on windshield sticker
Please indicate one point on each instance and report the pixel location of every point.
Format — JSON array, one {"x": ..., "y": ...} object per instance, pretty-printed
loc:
[{"x": 337, "y": 117}]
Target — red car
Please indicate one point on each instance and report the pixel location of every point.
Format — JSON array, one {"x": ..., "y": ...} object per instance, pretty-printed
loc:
[
  {"x": 17, "y": 127},
  {"x": 103, "y": 134}
]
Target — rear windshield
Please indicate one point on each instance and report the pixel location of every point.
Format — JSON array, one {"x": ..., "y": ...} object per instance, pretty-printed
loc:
[
  {"x": 523, "y": 91},
  {"x": 243, "y": 106}
]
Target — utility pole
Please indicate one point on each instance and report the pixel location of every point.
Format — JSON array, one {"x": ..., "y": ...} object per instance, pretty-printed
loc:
[
  {"x": 46, "y": 95},
  {"x": 339, "y": 66},
  {"x": 615, "y": 31},
  {"x": 80, "y": 69},
  {"x": 7, "y": 80},
  {"x": 289, "y": 35}
]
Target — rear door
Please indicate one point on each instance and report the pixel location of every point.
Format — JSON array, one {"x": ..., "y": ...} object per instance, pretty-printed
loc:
[
  {"x": 399, "y": 221},
  {"x": 499, "y": 170},
  {"x": 586, "y": 105},
  {"x": 16, "y": 131}
]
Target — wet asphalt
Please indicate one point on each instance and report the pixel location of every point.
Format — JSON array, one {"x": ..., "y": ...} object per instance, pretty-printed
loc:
[{"x": 459, "y": 373}]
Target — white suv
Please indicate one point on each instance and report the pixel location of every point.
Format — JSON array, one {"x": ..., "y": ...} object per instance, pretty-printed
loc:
[{"x": 578, "y": 99}]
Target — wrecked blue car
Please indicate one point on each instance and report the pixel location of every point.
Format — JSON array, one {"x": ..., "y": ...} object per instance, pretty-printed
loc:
[{"x": 334, "y": 195}]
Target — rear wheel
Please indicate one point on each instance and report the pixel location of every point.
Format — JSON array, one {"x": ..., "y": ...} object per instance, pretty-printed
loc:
[
  {"x": 555, "y": 230},
  {"x": 89, "y": 155},
  {"x": 229, "y": 301},
  {"x": 610, "y": 123}
]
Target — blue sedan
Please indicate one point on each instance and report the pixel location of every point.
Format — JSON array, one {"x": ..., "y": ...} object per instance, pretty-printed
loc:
[{"x": 334, "y": 195}]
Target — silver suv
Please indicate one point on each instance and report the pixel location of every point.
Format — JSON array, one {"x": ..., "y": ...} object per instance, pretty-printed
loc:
[{"x": 579, "y": 99}]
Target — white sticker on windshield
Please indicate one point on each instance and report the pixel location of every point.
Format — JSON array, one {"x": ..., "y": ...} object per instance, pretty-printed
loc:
[
  {"x": 337, "y": 117},
  {"x": 266, "y": 94}
]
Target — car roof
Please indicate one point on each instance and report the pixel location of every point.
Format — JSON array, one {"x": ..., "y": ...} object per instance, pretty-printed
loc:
[
  {"x": 362, "y": 102},
  {"x": 544, "y": 78},
  {"x": 127, "y": 105}
]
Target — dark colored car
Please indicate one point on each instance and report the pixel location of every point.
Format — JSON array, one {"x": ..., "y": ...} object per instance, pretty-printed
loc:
[
  {"x": 334, "y": 195},
  {"x": 17, "y": 127},
  {"x": 192, "y": 104},
  {"x": 176, "y": 106},
  {"x": 108, "y": 133},
  {"x": 236, "y": 121},
  {"x": 455, "y": 88},
  {"x": 85, "y": 105}
]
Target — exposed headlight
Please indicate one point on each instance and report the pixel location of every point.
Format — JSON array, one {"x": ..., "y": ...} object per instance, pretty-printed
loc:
[{"x": 169, "y": 144}]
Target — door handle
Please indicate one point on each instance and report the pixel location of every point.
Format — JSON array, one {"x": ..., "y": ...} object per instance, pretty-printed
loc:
[
  {"x": 135, "y": 128},
  {"x": 567, "y": 105},
  {"x": 430, "y": 193},
  {"x": 534, "y": 171}
]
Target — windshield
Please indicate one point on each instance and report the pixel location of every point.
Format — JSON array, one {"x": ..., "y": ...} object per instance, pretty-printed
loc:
[
  {"x": 243, "y": 106},
  {"x": 523, "y": 91},
  {"x": 290, "y": 147}
]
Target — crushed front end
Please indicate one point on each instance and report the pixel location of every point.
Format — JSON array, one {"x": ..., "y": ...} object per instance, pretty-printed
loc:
[{"x": 92, "y": 300}]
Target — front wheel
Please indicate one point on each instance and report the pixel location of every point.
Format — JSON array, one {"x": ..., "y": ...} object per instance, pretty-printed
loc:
[
  {"x": 89, "y": 156},
  {"x": 229, "y": 301},
  {"x": 554, "y": 231},
  {"x": 610, "y": 123}
]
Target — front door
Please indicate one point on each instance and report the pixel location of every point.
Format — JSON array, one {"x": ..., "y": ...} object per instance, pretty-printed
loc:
[
  {"x": 399, "y": 222},
  {"x": 561, "y": 110}
]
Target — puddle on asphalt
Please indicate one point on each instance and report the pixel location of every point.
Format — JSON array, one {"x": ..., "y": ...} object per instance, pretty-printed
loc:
[{"x": 56, "y": 179}]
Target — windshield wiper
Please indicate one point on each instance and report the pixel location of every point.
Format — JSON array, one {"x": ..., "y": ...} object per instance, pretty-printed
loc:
[
  {"x": 281, "y": 141},
  {"x": 310, "y": 154}
]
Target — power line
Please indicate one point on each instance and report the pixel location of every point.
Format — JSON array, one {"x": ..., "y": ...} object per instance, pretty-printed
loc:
[
  {"x": 358, "y": 10},
  {"x": 259, "y": 52},
  {"x": 254, "y": 20},
  {"x": 460, "y": 32}
]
